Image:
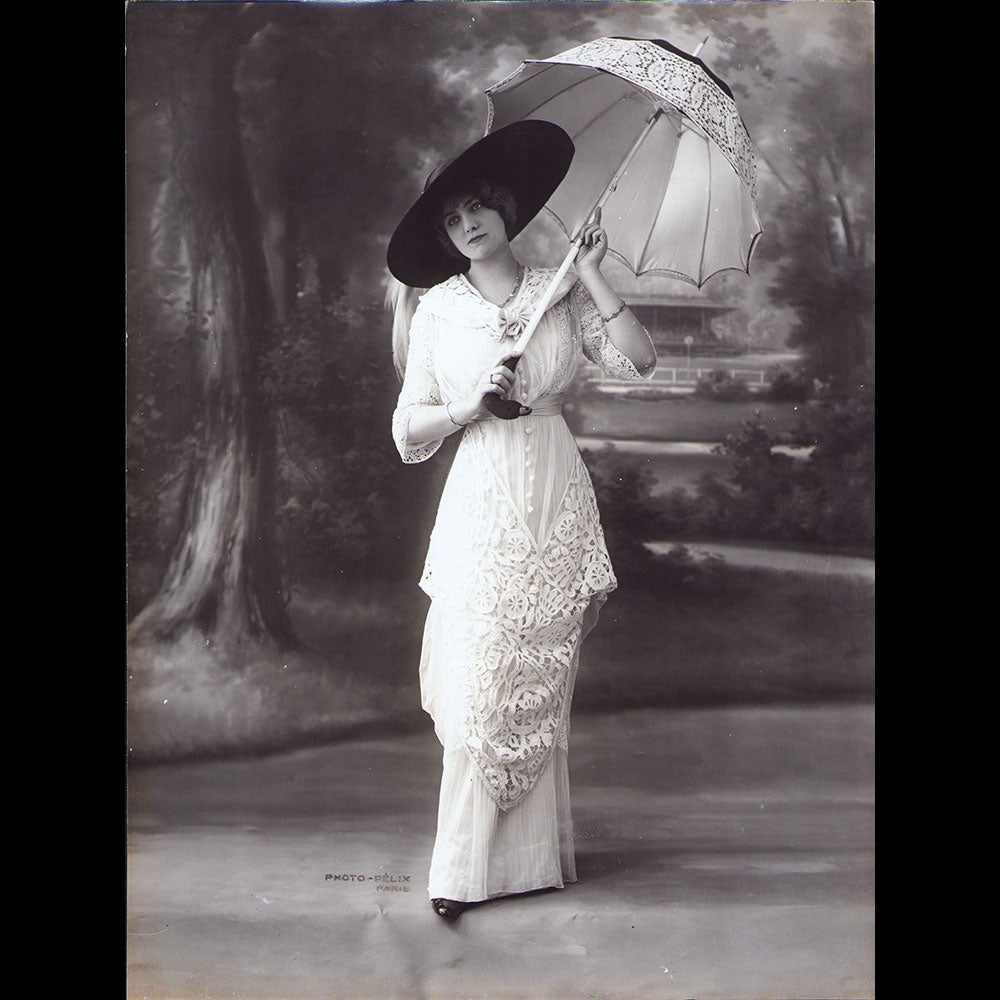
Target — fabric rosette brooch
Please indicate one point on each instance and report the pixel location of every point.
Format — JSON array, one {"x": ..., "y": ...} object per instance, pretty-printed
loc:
[{"x": 512, "y": 321}]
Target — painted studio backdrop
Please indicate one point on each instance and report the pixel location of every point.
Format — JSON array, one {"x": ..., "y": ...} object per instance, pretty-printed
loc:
[{"x": 283, "y": 777}]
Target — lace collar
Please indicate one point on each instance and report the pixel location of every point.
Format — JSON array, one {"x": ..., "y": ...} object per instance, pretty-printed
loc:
[{"x": 457, "y": 301}]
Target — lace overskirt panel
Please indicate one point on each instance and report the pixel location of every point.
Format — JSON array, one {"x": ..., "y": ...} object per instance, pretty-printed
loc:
[{"x": 511, "y": 590}]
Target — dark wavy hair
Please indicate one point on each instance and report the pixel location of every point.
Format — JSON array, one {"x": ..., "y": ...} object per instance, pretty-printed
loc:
[{"x": 492, "y": 195}]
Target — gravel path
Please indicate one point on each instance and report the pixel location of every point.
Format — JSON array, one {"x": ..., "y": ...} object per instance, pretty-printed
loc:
[{"x": 722, "y": 853}]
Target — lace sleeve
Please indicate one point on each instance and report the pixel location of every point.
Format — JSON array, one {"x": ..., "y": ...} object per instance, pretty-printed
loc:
[
  {"x": 420, "y": 388},
  {"x": 597, "y": 345}
]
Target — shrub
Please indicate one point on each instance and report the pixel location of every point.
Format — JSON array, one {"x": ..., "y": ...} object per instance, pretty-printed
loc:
[
  {"x": 629, "y": 514},
  {"x": 652, "y": 393},
  {"x": 789, "y": 387},
  {"x": 678, "y": 566},
  {"x": 827, "y": 498},
  {"x": 722, "y": 386}
]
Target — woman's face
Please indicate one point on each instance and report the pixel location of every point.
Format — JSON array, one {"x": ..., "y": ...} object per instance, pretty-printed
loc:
[{"x": 477, "y": 231}]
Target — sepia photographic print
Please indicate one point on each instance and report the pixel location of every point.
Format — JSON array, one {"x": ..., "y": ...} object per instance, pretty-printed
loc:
[{"x": 500, "y": 500}]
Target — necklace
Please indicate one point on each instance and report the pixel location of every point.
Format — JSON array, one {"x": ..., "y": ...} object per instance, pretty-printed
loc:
[
  {"x": 517, "y": 285},
  {"x": 511, "y": 294}
]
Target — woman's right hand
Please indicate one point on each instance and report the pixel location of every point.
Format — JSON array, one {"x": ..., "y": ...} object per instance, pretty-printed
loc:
[{"x": 497, "y": 381}]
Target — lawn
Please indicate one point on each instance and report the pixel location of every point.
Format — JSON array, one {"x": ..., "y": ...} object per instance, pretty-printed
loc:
[
  {"x": 711, "y": 634},
  {"x": 722, "y": 635},
  {"x": 731, "y": 636},
  {"x": 683, "y": 418}
]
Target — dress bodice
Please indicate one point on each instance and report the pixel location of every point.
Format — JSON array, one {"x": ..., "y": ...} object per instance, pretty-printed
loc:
[
  {"x": 456, "y": 335},
  {"x": 473, "y": 335}
]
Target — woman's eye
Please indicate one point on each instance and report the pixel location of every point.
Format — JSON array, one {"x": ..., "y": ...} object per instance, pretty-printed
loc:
[
  {"x": 476, "y": 205},
  {"x": 450, "y": 221}
]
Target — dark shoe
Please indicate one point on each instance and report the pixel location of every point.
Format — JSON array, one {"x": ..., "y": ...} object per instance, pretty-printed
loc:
[{"x": 448, "y": 908}]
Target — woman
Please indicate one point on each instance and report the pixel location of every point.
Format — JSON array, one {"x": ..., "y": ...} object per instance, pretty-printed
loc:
[{"x": 517, "y": 567}]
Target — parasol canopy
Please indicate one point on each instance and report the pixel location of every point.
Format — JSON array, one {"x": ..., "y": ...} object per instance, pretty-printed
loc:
[{"x": 660, "y": 147}]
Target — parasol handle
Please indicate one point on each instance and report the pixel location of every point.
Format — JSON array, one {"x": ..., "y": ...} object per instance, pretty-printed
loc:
[
  {"x": 609, "y": 189},
  {"x": 543, "y": 302},
  {"x": 508, "y": 409}
]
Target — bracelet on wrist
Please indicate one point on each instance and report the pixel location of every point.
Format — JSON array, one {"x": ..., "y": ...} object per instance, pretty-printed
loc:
[
  {"x": 447, "y": 408},
  {"x": 617, "y": 312}
]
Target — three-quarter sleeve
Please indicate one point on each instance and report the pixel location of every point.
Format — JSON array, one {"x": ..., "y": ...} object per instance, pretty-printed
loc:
[
  {"x": 420, "y": 388},
  {"x": 597, "y": 345}
]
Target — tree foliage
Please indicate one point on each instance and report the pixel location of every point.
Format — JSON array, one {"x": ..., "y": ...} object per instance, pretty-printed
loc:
[
  {"x": 823, "y": 241},
  {"x": 812, "y": 122},
  {"x": 344, "y": 498}
]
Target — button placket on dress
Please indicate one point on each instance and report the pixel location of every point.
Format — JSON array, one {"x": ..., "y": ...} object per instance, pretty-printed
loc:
[{"x": 529, "y": 465}]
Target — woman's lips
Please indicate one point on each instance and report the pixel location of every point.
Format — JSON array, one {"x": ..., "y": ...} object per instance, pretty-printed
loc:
[{"x": 474, "y": 239}]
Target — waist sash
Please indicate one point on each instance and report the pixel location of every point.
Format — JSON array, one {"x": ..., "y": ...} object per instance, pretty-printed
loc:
[{"x": 547, "y": 406}]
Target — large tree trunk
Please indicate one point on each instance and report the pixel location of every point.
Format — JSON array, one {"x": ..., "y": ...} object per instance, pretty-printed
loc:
[{"x": 222, "y": 579}]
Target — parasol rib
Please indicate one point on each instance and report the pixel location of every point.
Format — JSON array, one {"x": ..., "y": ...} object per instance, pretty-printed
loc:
[
  {"x": 708, "y": 217},
  {"x": 664, "y": 180},
  {"x": 600, "y": 114}
]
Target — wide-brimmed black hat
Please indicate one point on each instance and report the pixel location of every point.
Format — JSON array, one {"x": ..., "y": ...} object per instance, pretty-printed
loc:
[{"x": 529, "y": 158}]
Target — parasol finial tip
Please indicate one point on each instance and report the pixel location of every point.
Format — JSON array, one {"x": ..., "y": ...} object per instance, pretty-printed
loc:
[{"x": 700, "y": 45}]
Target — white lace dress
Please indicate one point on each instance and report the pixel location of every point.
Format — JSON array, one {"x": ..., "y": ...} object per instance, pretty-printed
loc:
[{"x": 516, "y": 571}]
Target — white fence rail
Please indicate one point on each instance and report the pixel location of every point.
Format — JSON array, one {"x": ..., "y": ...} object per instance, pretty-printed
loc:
[
  {"x": 755, "y": 378},
  {"x": 689, "y": 376}
]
